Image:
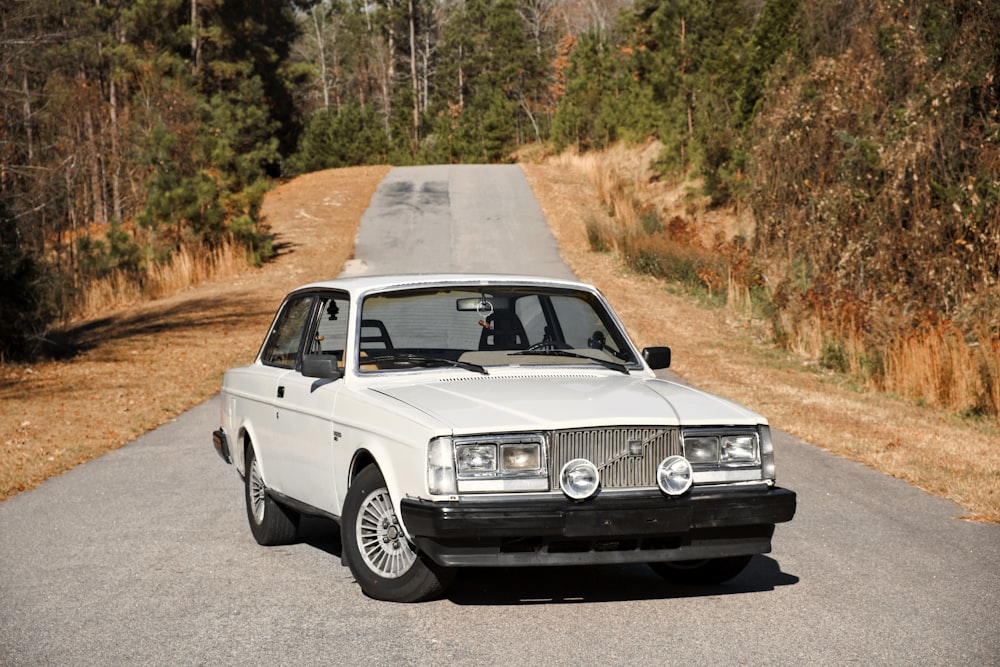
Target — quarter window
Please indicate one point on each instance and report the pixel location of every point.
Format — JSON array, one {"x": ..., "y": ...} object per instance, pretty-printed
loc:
[{"x": 282, "y": 346}]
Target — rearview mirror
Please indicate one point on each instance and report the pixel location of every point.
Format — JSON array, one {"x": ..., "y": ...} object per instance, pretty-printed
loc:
[{"x": 468, "y": 304}]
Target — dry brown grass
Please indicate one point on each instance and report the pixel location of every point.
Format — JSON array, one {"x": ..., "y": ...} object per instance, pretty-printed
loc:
[
  {"x": 186, "y": 268},
  {"x": 939, "y": 367},
  {"x": 721, "y": 351}
]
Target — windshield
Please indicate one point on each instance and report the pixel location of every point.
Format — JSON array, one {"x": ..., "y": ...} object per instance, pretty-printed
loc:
[{"x": 486, "y": 327}]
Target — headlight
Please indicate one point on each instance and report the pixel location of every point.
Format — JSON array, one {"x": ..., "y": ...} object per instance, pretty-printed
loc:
[
  {"x": 519, "y": 456},
  {"x": 579, "y": 479},
  {"x": 720, "y": 454},
  {"x": 701, "y": 449},
  {"x": 738, "y": 449},
  {"x": 476, "y": 459},
  {"x": 705, "y": 447},
  {"x": 498, "y": 463},
  {"x": 674, "y": 475},
  {"x": 479, "y": 459}
]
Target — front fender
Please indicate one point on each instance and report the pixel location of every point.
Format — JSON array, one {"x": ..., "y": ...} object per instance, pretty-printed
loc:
[
  {"x": 393, "y": 436},
  {"x": 403, "y": 468}
]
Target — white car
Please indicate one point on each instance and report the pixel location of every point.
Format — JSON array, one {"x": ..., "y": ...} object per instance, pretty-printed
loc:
[{"x": 450, "y": 421}]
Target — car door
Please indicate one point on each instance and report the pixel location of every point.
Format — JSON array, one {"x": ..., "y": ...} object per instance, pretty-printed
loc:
[
  {"x": 305, "y": 435},
  {"x": 279, "y": 357}
]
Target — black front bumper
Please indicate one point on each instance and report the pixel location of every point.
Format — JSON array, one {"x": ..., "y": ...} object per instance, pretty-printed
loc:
[{"x": 705, "y": 523}]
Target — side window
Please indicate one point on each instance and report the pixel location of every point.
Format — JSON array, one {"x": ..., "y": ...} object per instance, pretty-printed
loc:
[
  {"x": 331, "y": 328},
  {"x": 282, "y": 344}
]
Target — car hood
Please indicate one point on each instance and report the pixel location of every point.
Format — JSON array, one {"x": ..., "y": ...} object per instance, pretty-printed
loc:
[{"x": 485, "y": 404}]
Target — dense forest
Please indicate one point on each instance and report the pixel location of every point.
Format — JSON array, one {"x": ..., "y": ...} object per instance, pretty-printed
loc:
[{"x": 861, "y": 135}]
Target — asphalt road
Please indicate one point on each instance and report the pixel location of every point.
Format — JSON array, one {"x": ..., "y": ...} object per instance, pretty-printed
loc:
[
  {"x": 144, "y": 557},
  {"x": 466, "y": 219}
]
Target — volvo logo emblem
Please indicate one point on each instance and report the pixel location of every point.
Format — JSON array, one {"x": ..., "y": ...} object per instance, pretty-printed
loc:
[{"x": 634, "y": 448}]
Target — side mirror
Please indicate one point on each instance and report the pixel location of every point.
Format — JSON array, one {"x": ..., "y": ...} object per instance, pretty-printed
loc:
[
  {"x": 321, "y": 366},
  {"x": 657, "y": 357}
]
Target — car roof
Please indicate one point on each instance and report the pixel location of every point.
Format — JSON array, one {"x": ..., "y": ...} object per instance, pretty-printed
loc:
[{"x": 358, "y": 285}]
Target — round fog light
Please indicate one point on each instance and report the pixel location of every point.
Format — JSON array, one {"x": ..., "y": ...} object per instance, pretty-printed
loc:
[
  {"x": 579, "y": 479},
  {"x": 674, "y": 475}
]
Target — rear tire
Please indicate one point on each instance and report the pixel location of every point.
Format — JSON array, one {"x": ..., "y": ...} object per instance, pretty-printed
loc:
[
  {"x": 271, "y": 523},
  {"x": 382, "y": 560},
  {"x": 705, "y": 572}
]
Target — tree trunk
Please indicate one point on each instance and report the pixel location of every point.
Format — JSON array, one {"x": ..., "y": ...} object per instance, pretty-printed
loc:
[
  {"x": 321, "y": 48},
  {"x": 413, "y": 78},
  {"x": 116, "y": 155},
  {"x": 195, "y": 39},
  {"x": 92, "y": 156},
  {"x": 28, "y": 135},
  {"x": 461, "y": 81},
  {"x": 687, "y": 97},
  {"x": 425, "y": 74},
  {"x": 531, "y": 117}
]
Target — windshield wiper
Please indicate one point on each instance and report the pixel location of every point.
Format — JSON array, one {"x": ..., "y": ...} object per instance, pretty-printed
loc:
[
  {"x": 575, "y": 355},
  {"x": 418, "y": 359}
]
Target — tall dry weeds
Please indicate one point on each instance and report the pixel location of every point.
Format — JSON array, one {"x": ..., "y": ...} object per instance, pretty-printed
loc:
[
  {"x": 187, "y": 267},
  {"x": 939, "y": 367},
  {"x": 934, "y": 365}
]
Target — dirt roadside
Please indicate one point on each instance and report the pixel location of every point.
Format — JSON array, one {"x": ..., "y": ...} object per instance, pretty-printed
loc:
[{"x": 141, "y": 367}]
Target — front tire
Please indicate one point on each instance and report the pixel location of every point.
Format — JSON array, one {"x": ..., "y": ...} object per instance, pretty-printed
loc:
[
  {"x": 705, "y": 572},
  {"x": 270, "y": 523},
  {"x": 382, "y": 560}
]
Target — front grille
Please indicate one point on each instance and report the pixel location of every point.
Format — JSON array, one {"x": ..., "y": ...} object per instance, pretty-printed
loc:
[{"x": 626, "y": 456}]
